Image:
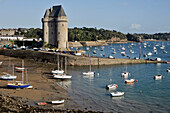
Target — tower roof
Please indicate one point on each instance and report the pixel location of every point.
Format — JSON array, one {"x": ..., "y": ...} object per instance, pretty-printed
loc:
[{"x": 57, "y": 11}]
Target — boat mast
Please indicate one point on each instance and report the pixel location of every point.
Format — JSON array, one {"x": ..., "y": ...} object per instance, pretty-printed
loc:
[
  {"x": 58, "y": 61},
  {"x": 13, "y": 72},
  {"x": 66, "y": 65},
  {"x": 90, "y": 62},
  {"x": 26, "y": 76},
  {"x": 23, "y": 72}
]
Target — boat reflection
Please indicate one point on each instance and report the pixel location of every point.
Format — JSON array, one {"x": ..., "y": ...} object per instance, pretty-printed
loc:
[{"x": 65, "y": 83}]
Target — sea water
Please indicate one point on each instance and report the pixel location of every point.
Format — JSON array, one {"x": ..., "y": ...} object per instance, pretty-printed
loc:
[{"x": 146, "y": 95}]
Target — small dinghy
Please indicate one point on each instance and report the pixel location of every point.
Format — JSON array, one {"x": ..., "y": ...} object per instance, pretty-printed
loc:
[
  {"x": 8, "y": 76},
  {"x": 111, "y": 86},
  {"x": 41, "y": 103},
  {"x": 130, "y": 81},
  {"x": 20, "y": 69},
  {"x": 117, "y": 94},
  {"x": 157, "y": 77},
  {"x": 168, "y": 70},
  {"x": 57, "y": 102}
]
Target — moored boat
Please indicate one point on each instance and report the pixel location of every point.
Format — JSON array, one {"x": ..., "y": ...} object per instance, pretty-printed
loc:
[
  {"x": 62, "y": 76},
  {"x": 111, "y": 86},
  {"x": 57, "y": 71},
  {"x": 89, "y": 73},
  {"x": 157, "y": 77},
  {"x": 17, "y": 85},
  {"x": 125, "y": 74},
  {"x": 168, "y": 70},
  {"x": 117, "y": 94},
  {"x": 130, "y": 81}
]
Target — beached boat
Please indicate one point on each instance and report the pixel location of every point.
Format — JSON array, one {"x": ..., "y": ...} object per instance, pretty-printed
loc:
[
  {"x": 57, "y": 102},
  {"x": 117, "y": 94},
  {"x": 1, "y": 63},
  {"x": 157, "y": 77},
  {"x": 111, "y": 86},
  {"x": 19, "y": 84},
  {"x": 41, "y": 103},
  {"x": 130, "y": 81},
  {"x": 19, "y": 69},
  {"x": 8, "y": 77},
  {"x": 62, "y": 76}
]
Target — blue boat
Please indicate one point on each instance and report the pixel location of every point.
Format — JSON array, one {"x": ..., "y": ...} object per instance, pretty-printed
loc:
[{"x": 18, "y": 85}]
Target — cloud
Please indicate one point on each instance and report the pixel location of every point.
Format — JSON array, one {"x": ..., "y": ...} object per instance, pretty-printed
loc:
[{"x": 135, "y": 26}]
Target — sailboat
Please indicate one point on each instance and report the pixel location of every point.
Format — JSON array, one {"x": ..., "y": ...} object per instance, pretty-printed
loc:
[
  {"x": 125, "y": 74},
  {"x": 8, "y": 76},
  {"x": 89, "y": 72},
  {"x": 58, "y": 71},
  {"x": 64, "y": 75},
  {"x": 162, "y": 47},
  {"x": 19, "y": 84}
]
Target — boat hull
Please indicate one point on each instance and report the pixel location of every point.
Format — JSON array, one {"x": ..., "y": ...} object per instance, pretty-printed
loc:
[{"x": 18, "y": 86}]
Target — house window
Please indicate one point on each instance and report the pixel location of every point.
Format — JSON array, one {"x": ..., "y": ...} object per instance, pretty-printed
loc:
[
  {"x": 58, "y": 32},
  {"x": 62, "y": 24}
]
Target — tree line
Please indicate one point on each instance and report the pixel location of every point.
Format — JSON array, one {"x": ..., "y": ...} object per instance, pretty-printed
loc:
[{"x": 94, "y": 34}]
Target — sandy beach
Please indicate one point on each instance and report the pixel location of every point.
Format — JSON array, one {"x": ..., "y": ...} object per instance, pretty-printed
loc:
[{"x": 44, "y": 89}]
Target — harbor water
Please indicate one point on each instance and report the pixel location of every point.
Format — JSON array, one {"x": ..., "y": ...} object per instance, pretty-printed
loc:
[{"x": 146, "y": 95}]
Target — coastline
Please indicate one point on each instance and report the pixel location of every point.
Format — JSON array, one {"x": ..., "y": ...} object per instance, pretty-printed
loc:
[{"x": 44, "y": 89}]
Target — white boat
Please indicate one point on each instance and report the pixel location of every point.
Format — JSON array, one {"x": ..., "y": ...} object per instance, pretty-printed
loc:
[
  {"x": 111, "y": 86},
  {"x": 165, "y": 52},
  {"x": 8, "y": 77},
  {"x": 19, "y": 69},
  {"x": 57, "y": 102},
  {"x": 123, "y": 48},
  {"x": 110, "y": 56},
  {"x": 57, "y": 71},
  {"x": 162, "y": 47},
  {"x": 61, "y": 76},
  {"x": 149, "y": 54},
  {"x": 1, "y": 63},
  {"x": 87, "y": 48},
  {"x": 89, "y": 73},
  {"x": 157, "y": 77},
  {"x": 168, "y": 70},
  {"x": 117, "y": 94},
  {"x": 144, "y": 55},
  {"x": 114, "y": 52},
  {"x": 94, "y": 52},
  {"x": 130, "y": 81},
  {"x": 77, "y": 54},
  {"x": 123, "y": 53},
  {"x": 125, "y": 74}
]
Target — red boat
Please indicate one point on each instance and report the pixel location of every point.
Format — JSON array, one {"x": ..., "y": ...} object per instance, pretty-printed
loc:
[{"x": 41, "y": 103}]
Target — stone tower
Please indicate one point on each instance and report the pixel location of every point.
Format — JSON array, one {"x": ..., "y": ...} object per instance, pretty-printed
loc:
[{"x": 55, "y": 27}]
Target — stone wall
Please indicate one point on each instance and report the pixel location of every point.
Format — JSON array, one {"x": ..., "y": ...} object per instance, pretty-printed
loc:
[{"x": 50, "y": 57}]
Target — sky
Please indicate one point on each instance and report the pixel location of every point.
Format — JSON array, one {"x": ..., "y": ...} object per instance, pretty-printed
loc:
[{"x": 126, "y": 16}]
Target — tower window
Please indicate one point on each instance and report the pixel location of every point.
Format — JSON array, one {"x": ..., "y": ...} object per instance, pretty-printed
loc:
[
  {"x": 52, "y": 33},
  {"x": 62, "y": 24}
]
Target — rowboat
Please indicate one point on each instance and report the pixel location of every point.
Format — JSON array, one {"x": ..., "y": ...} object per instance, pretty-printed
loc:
[
  {"x": 41, "y": 103},
  {"x": 117, "y": 94},
  {"x": 111, "y": 86},
  {"x": 57, "y": 102}
]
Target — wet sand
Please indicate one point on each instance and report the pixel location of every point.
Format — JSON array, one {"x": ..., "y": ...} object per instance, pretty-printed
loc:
[{"x": 44, "y": 89}]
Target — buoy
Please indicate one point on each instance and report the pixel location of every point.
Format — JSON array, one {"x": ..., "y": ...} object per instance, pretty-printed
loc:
[{"x": 136, "y": 80}]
